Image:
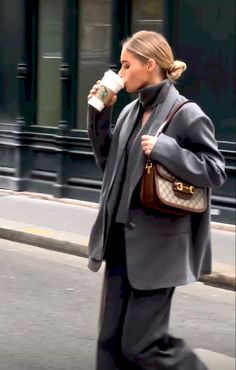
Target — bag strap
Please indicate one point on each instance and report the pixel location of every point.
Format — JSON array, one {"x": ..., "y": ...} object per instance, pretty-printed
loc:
[{"x": 169, "y": 117}]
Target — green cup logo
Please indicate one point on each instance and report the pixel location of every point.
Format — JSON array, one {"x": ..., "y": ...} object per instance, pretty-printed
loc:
[{"x": 102, "y": 93}]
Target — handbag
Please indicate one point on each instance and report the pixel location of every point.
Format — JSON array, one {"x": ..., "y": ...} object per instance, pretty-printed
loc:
[{"x": 162, "y": 191}]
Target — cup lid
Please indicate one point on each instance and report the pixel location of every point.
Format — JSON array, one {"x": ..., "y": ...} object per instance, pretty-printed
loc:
[{"x": 115, "y": 76}]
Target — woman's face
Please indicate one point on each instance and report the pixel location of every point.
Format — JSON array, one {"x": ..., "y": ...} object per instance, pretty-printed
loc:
[{"x": 134, "y": 72}]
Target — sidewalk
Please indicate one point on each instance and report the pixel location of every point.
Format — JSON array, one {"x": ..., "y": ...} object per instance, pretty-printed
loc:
[
  {"x": 215, "y": 360},
  {"x": 64, "y": 225}
]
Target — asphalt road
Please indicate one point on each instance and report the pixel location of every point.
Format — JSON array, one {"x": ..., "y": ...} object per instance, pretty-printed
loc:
[{"x": 49, "y": 305}]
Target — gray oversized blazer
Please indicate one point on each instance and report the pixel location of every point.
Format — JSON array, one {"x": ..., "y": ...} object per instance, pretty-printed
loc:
[{"x": 161, "y": 250}]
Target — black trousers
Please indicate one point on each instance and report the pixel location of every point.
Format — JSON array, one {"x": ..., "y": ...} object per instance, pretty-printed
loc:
[{"x": 133, "y": 333}]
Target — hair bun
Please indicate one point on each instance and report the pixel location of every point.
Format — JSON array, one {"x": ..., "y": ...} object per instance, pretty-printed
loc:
[{"x": 176, "y": 69}]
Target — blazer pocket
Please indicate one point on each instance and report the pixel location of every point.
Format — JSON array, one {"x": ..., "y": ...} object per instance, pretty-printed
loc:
[{"x": 153, "y": 222}]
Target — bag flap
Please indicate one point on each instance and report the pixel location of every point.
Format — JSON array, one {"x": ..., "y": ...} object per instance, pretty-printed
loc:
[{"x": 162, "y": 171}]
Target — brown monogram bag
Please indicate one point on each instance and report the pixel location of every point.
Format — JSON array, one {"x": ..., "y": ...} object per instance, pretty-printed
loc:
[{"x": 165, "y": 192}]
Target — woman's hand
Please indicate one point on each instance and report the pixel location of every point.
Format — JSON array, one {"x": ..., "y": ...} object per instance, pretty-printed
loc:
[
  {"x": 148, "y": 143},
  {"x": 93, "y": 92},
  {"x": 94, "y": 89}
]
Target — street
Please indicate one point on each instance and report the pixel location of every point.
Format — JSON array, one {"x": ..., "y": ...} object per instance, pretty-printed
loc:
[{"x": 50, "y": 305}]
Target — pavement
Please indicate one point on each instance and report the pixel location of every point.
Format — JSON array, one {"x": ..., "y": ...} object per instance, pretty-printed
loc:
[
  {"x": 215, "y": 360},
  {"x": 64, "y": 225}
]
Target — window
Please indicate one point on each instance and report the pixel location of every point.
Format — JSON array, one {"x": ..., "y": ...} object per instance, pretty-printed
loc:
[
  {"x": 10, "y": 44},
  {"x": 147, "y": 15},
  {"x": 49, "y": 59},
  {"x": 95, "y": 33}
]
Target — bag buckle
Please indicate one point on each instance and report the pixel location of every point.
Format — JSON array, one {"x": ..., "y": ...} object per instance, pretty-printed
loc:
[
  {"x": 180, "y": 186},
  {"x": 148, "y": 167}
]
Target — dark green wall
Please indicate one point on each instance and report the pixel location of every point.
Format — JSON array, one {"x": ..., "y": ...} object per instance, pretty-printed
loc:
[{"x": 202, "y": 33}]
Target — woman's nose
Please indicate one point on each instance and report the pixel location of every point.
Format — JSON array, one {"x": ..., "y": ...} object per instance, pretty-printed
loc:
[{"x": 120, "y": 73}]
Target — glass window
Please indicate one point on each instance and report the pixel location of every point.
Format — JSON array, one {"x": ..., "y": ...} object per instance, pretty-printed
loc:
[
  {"x": 95, "y": 33},
  {"x": 10, "y": 46},
  {"x": 49, "y": 59},
  {"x": 147, "y": 15}
]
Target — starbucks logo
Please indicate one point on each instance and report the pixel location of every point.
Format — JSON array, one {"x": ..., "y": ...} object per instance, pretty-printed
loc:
[{"x": 103, "y": 93}]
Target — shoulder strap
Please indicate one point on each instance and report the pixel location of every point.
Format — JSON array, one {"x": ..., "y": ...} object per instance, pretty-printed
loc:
[{"x": 169, "y": 117}]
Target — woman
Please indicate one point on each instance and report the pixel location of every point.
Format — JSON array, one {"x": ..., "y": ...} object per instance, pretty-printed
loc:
[{"x": 148, "y": 253}]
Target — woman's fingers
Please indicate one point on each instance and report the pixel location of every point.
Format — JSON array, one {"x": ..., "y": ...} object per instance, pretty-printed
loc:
[
  {"x": 147, "y": 143},
  {"x": 94, "y": 89},
  {"x": 113, "y": 100}
]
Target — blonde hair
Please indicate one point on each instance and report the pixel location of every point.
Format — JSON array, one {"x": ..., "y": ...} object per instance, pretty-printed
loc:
[{"x": 152, "y": 45}]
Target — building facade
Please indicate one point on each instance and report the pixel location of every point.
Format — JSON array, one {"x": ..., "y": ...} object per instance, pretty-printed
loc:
[{"x": 52, "y": 51}]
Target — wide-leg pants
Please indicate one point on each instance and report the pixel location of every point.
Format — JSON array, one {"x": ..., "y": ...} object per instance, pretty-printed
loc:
[{"x": 133, "y": 332}]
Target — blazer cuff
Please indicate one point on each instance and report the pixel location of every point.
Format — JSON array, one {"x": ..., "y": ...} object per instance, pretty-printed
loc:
[{"x": 163, "y": 148}]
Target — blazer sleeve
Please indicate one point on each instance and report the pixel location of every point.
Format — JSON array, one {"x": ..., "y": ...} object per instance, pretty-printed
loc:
[
  {"x": 100, "y": 134},
  {"x": 192, "y": 154}
]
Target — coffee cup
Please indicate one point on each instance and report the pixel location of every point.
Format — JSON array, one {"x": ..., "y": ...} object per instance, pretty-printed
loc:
[{"x": 110, "y": 85}]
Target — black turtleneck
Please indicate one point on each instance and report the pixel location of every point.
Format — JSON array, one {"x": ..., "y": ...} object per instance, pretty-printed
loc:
[
  {"x": 149, "y": 98},
  {"x": 153, "y": 95}
]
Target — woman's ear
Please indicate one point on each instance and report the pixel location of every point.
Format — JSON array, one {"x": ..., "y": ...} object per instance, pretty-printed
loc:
[{"x": 151, "y": 64}]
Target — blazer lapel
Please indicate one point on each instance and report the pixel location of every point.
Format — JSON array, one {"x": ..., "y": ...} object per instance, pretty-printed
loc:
[
  {"x": 125, "y": 132},
  {"x": 126, "y": 129},
  {"x": 161, "y": 112}
]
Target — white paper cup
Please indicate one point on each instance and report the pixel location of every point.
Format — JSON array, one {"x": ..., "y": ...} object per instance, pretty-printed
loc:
[{"x": 110, "y": 85}]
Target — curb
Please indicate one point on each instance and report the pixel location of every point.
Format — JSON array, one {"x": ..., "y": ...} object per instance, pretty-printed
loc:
[
  {"x": 223, "y": 227},
  {"x": 217, "y": 279},
  {"x": 58, "y": 245}
]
